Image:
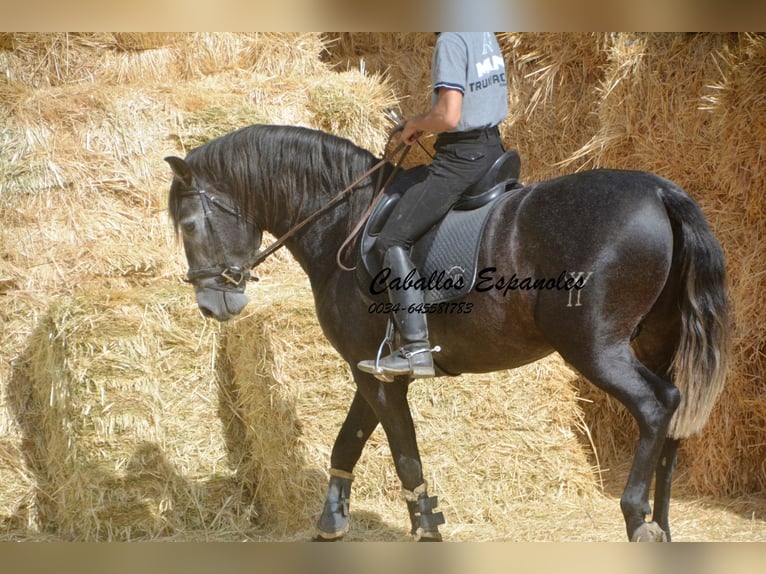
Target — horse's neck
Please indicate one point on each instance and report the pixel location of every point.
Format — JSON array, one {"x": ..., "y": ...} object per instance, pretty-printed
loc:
[{"x": 316, "y": 245}]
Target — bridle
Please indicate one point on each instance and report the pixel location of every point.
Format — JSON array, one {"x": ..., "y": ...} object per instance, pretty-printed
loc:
[{"x": 231, "y": 277}]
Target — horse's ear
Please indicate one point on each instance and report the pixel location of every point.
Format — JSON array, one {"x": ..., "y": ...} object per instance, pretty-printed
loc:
[{"x": 181, "y": 170}]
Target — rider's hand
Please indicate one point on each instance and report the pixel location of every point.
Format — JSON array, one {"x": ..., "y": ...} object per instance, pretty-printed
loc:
[{"x": 410, "y": 134}]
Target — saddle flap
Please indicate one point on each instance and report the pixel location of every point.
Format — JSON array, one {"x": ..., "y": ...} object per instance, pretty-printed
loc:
[{"x": 446, "y": 256}]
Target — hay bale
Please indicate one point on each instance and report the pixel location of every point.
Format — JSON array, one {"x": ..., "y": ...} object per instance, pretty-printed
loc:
[
  {"x": 551, "y": 97},
  {"x": 550, "y": 79},
  {"x": 84, "y": 116},
  {"x": 274, "y": 377},
  {"x": 685, "y": 106},
  {"x": 489, "y": 442},
  {"x": 129, "y": 436},
  {"x": 116, "y": 424},
  {"x": 403, "y": 59},
  {"x": 81, "y": 118}
]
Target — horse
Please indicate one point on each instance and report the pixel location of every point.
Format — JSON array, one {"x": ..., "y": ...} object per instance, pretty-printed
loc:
[{"x": 648, "y": 322}]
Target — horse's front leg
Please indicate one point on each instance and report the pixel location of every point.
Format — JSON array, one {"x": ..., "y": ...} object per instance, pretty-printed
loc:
[
  {"x": 385, "y": 402},
  {"x": 389, "y": 401},
  {"x": 360, "y": 421}
]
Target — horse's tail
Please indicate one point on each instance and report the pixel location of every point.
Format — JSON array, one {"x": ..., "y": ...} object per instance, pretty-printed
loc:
[{"x": 701, "y": 357}]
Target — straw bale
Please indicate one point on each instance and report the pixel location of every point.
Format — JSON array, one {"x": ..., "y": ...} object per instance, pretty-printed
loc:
[
  {"x": 489, "y": 443},
  {"x": 102, "y": 395},
  {"x": 128, "y": 435},
  {"x": 733, "y": 197},
  {"x": 40, "y": 59},
  {"x": 80, "y": 152},
  {"x": 687, "y": 106},
  {"x": 404, "y": 60},
  {"x": 549, "y": 77},
  {"x": 275, "y": 373}
]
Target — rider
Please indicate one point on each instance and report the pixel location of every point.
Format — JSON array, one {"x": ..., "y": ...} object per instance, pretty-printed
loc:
[{"x": 469, "y": 101}]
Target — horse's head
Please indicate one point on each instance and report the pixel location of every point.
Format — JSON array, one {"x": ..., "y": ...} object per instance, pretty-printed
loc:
[{"x": 220, "y": 242}]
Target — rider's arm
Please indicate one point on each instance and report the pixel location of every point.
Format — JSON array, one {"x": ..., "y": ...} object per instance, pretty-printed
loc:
[{"x": 442, "y": 117}]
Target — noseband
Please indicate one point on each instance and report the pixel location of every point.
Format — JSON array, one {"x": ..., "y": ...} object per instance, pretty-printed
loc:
[{"x": 230, "y": 277}]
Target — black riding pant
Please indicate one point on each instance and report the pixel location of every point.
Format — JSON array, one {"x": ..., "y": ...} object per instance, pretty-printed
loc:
[{"x": 460, "y": 161}]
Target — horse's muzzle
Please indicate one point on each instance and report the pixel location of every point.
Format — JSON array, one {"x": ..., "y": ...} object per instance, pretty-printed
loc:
[{"x": 219, "y": 304}]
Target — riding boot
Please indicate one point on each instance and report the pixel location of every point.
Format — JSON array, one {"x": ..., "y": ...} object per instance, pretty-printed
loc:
[{"x": 413, "y": 358}]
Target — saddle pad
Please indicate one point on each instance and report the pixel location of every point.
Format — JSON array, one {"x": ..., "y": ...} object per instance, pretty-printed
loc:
[
  {"x": 447, "y": 255},
  {"x": 446, "y": 258}
]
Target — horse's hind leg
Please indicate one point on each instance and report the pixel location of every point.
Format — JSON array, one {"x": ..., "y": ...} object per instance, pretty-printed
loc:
[
  {"x": 360, "y": 421},
  {"x": 652, "y": 402},
  {"x": 665, "y": 467},
  {"x": 654, "y": 346}
]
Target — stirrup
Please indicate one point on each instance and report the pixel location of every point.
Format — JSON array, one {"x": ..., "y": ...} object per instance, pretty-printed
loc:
[
  {"x": 377, "y": 370},
  {"x": 388, "y": 340},
  {"x": 409, "y": 366},
  {"x": 382, "y": 373}
]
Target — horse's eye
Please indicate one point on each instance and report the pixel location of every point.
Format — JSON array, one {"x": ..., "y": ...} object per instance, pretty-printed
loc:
[{"x": 189, "y": 227}]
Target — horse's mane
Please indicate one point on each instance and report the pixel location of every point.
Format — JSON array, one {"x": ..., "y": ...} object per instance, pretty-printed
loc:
[{"x": 260, "y": 165}]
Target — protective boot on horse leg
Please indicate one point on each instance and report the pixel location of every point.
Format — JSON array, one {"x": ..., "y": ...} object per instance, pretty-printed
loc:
[
  {"x": 425, "y": 522},
  {"x": 333, "y": 522},
  {"x": 413, "y": 358}
]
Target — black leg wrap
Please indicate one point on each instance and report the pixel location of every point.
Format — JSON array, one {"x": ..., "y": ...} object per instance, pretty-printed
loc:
[
  {"x": 333, "y": 523},
  {"x": 425, "y": 523}
]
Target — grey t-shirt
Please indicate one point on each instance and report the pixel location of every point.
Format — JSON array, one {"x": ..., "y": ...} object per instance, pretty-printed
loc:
[{"x": 472, "y": 63}]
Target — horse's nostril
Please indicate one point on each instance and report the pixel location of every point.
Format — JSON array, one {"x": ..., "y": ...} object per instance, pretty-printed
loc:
[{"x": 206, "y": 312}]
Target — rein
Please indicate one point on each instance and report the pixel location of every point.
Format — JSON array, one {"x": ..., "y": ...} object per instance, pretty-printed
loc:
[
  {"x": 365, "y": 216},
  {"x": 280, "y": 242}
]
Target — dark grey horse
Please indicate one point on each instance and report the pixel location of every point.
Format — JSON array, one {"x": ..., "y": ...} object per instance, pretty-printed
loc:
[{"x": 648, "y": 322}]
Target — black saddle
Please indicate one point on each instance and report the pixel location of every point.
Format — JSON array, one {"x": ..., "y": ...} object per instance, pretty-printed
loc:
[
  {"x": 506, "y": 168},
  {"x": 445, "y": 256}
]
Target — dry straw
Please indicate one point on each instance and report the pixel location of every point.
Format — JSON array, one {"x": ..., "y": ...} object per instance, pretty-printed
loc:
[{"x": 126, "y": 416}]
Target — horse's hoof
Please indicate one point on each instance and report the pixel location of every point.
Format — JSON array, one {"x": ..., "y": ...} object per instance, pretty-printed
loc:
[
  {"x": 421, "y": 535},
  {"x": 325, "y": 537},
  {"x": 649, "y": 532}
]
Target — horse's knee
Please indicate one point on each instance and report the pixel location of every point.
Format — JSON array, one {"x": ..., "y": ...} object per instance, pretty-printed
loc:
[{"x": 410, "y": 471}]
